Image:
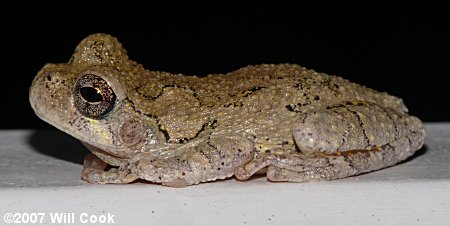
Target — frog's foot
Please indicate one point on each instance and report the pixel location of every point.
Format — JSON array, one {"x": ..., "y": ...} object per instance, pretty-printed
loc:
[
  {"x": 94, "y": 172},
  {"x": 342, "y": 141},
  {"x": 277, "y": 163}
]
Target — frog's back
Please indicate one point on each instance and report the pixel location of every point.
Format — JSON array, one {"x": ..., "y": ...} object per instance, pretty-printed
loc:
[{"x": 296, "y": 87}]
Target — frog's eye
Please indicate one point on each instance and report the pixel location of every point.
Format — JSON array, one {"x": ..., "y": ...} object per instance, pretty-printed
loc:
[{"x": 93, "y": 97}]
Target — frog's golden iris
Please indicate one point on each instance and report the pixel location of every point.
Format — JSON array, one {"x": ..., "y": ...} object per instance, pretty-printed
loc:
[{"x": 93, "y": 97}]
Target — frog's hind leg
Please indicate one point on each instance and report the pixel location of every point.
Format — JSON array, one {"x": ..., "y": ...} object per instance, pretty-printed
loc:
[
  {"x": 341, "y": 141},
  {"x": 302, "y": 168}
]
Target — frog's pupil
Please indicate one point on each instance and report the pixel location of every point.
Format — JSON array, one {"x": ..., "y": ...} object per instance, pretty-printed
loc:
[{"x": 91, "y": 94}]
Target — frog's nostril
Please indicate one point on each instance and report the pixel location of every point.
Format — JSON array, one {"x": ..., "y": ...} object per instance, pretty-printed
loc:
[{"x": 48, "y": 76}]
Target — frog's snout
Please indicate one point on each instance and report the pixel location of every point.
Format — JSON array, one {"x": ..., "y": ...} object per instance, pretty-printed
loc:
[
  {"x": 38, "y": 88},
  {"x": 49, "y": 91},
  {"x": 35, "y": 91}
]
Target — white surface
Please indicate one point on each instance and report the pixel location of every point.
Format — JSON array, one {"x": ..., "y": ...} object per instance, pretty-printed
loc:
[{"x": 40, "y": 171}]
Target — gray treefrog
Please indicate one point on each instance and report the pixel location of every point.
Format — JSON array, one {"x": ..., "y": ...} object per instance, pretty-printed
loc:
[{"x": 286, "y": 121}]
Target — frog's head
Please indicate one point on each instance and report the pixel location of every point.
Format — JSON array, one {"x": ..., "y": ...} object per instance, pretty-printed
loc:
[{"x": 85, "y": 98}]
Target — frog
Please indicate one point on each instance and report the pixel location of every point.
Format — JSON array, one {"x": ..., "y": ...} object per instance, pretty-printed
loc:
[{"x": 283, "y": 121}]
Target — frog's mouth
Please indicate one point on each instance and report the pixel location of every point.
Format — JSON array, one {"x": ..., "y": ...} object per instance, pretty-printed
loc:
[{"x": 107, "y": 157}]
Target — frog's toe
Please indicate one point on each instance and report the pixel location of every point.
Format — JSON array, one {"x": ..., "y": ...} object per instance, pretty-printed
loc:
[
  {"x": 91, "y": 175},
  {"x": 241, "y": 174},
  {"x": 278, "y": 174},
  {"x": 245, "y": 171}
]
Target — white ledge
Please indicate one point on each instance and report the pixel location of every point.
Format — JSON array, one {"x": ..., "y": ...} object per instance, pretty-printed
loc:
[{"x": 40, "y": 172}]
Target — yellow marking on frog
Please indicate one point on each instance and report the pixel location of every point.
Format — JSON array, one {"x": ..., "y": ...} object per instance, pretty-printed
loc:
[
  {"x": 377, "y": 148},
  {"x": 361, "y": 103},
  {"x": 102, "y": 133},
  {"x": 263, "y": 147}
]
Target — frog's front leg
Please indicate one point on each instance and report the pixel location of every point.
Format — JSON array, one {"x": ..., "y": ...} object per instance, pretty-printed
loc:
[
  {"x": 211, "y": 159},
  {"x": 94, "y": 172},
  {"x": 341, "y": 141}
]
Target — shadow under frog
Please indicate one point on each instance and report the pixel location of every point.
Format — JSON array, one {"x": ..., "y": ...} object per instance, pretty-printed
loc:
[{"x": 57, "y": 144}]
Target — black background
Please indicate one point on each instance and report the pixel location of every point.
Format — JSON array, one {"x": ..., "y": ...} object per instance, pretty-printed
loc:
[{"x": 395, "y": 48}]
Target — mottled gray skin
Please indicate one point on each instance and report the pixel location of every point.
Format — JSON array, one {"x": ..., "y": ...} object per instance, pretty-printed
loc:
[{"x": 293, "y": 123}]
